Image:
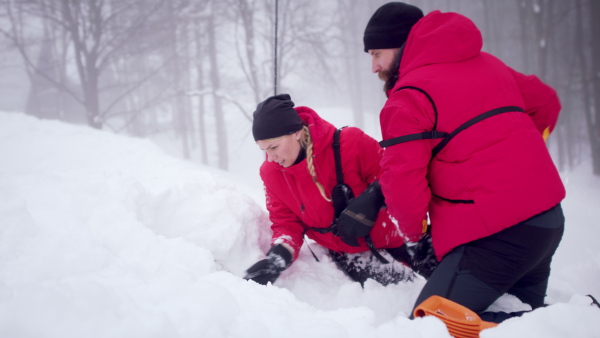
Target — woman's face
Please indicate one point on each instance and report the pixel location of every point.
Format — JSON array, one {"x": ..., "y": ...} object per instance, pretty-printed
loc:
[{"x": 283, "y": 150}]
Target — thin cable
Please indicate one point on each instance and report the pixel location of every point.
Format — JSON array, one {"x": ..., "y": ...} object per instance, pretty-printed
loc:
[{"x": 275, "y": 51}]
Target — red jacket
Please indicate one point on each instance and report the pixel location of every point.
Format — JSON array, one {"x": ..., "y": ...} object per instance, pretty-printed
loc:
[
  {"x": 500, "y": 167},
  {"x": 294, "y": 202}
]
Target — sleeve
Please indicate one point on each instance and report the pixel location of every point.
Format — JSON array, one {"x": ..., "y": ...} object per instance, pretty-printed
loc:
[
  {"x": 365, "y": 165},
  {"x": 286, "y": 226},
  {"x": 364, "y": 155},
  {"x": 541, "y": 101},
  {"x": 370, "y": 158},
  {"x": 404, "y": 166}
]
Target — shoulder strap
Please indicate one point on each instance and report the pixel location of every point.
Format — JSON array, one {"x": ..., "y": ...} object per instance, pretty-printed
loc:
[
  {"x": 426, "y": 135},
  {"x": 435, "y": 112},
  {"x": 337, "y": 155},
  {"x": 471, "y": 122},
  {"x": 435, "y": 134}
]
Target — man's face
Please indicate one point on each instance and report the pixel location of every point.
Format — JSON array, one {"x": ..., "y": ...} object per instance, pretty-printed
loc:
[{"x": 382, "y": 61}]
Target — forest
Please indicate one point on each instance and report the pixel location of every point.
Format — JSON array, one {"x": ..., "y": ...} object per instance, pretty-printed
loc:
[{"x": 195, "y": 69}]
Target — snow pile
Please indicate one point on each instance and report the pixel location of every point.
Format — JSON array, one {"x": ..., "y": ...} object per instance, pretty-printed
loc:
[{"x": 106, "y": 236}]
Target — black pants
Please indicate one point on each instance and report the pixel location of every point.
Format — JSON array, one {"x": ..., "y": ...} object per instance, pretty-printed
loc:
[{"x": 515, "y": 260}]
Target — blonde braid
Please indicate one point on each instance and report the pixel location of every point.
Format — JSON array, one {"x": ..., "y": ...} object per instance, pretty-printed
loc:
[{"x": 307, "y": 143}]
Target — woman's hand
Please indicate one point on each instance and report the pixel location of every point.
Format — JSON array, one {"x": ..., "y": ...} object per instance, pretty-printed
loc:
[{"x": 268, "y": 269}]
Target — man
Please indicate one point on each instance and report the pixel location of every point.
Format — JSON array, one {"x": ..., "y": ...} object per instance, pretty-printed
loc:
[{"x": 464, "y": 137}]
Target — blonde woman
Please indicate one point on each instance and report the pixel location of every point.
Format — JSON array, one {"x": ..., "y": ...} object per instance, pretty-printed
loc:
[{"x": 299, "y": 176}]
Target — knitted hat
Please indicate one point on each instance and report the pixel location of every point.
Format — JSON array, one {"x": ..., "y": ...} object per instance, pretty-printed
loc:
[
  {"x": 275, "y": 117},
  {"x": 390, "y": 24}
]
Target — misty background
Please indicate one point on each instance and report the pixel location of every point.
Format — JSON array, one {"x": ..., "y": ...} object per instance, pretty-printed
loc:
[{"x": 188, "y": 74}]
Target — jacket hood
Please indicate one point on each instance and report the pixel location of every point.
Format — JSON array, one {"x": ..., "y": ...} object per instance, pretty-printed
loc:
[
  {"x": 321, "y": 131},
  {"x": 440, "y": 38}
]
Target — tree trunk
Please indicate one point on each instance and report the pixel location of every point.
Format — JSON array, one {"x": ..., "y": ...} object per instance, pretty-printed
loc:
[
  {"x": 200, "y": 86},
  {"x": 246, "y": 13},
  {"x": 91, "y": 96},
  {"x": 219, "y": 118},
  {"x": 351, "y": 49},
  {"x": 593, "y": 117}
]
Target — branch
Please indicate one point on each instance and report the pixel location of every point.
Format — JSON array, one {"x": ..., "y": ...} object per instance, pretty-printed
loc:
[{"x": 223, "y": 96}]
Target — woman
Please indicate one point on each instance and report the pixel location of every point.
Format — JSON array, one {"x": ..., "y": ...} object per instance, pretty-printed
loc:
[{"x": 299, "y": 175}]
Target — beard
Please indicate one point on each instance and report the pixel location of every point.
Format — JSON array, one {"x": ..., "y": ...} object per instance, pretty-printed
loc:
[{"x": 390, "y": 76}]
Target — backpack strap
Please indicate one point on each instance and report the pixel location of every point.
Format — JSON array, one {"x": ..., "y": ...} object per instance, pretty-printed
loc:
[
  {"x": 436, "y": 134},
  {"x": 337, "y": 156},
  {"x": 340, "y": 181},
  {"x": 471, "y": 122},
  {"x": 427, "y": 135}
]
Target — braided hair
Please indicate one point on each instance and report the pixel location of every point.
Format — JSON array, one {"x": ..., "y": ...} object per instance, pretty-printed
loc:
[{"x": 307, "y": 143}]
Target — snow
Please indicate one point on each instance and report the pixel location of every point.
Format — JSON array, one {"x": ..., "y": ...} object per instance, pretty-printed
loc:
[{"x": 107, "y": 236}]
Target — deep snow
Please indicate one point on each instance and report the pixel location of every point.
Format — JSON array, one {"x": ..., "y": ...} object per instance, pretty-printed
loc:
[{"x": 106, "y": 236}]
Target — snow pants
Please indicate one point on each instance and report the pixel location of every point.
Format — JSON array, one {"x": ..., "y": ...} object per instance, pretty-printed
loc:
[{"x": 515, "y": 260}]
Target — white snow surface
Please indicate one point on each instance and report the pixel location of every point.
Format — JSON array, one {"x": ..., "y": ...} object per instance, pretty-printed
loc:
[{"x": 107, "y": 236}]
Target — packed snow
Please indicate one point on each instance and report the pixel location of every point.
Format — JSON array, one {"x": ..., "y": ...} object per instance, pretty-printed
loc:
[{"x": 103, "y": 235}]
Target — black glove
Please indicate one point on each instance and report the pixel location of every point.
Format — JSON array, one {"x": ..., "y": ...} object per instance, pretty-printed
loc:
[
  {"x": 419, "y": 256},
  {"x": 423, "y": 260},
  {"x": 360, "y": 214},
  {"x": 267, "y": 270}
]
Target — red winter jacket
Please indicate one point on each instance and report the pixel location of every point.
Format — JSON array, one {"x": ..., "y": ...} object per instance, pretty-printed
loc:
[
  {"x": 294, "y": 202},
  {"x": 489, "y": 177}
]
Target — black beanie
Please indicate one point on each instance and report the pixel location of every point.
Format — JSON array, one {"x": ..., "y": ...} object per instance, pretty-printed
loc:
[
  {"x": 390, "y": 24},
  {"x": 275, "y": 117}
]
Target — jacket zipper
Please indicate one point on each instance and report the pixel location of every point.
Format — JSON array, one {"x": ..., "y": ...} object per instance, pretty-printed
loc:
[{"x": 292, "y": 191}]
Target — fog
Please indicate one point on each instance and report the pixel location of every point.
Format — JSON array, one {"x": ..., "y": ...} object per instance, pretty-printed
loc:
[
  {"x": 188, "y": 74},
  {"x": 185, "y": 76}
]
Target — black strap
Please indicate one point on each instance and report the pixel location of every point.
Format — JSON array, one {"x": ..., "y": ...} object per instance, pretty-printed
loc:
[
  {"x": 374, "y": 250},
  {"x": 339, "y": 175},
  {"x": 309, "y": 248},
  {"x": 340, "y": 180},
  {"x": 426, "y": 135},
  {"x": 471, "y": 122},
  {"x": 337, "y": 156},
  {"x": 435, "y": 112},
  {"x": 435, "y": 134}
]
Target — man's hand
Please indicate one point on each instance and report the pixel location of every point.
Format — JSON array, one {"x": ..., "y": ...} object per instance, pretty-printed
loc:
[
  {"x": 359, "y": 216},
  {"x": 423, "y": 260}
]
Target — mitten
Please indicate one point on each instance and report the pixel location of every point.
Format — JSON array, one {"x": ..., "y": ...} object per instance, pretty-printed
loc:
[
  {"x": 359, "y": 216},
  {"x": 423, "y": 259},
  {"x": 418, "y": 255},
  {"x": 268, "y": 269}
]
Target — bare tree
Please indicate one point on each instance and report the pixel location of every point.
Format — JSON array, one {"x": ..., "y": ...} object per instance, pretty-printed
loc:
[
  {"x": 245, "y": 11},
  {"x": 593, "y": 115},
  {"x": 97, "y": 37},
  {"x": 221, "y": 131}
]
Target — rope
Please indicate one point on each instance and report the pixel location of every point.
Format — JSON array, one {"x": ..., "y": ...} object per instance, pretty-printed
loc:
[{"x": 275, "y": 51}]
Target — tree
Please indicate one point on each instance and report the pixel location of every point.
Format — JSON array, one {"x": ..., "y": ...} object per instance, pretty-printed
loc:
[
  {"x": 223, "y": 160},
  {"x": 593, "y": 115},
  {"x": 96, "y": 35}
]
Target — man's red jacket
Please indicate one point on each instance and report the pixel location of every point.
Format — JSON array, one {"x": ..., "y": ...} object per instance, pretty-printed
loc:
[{"x": 493, "y": 174}]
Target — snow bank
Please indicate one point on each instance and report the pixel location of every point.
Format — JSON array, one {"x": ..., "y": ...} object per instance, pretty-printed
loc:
[{"x": 106, "y": 236}]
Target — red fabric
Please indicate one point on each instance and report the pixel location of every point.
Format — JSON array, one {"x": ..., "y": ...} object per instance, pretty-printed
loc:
[
  {"x": 295, "y": 203},
  {"x": 501, "y": 163}
]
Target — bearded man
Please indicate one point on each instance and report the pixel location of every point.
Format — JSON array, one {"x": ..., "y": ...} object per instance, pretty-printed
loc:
[{"x": 464, "y": 136}]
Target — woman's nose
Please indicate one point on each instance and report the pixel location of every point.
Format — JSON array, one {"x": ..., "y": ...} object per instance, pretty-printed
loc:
[{"x": 270, "y": 157}]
